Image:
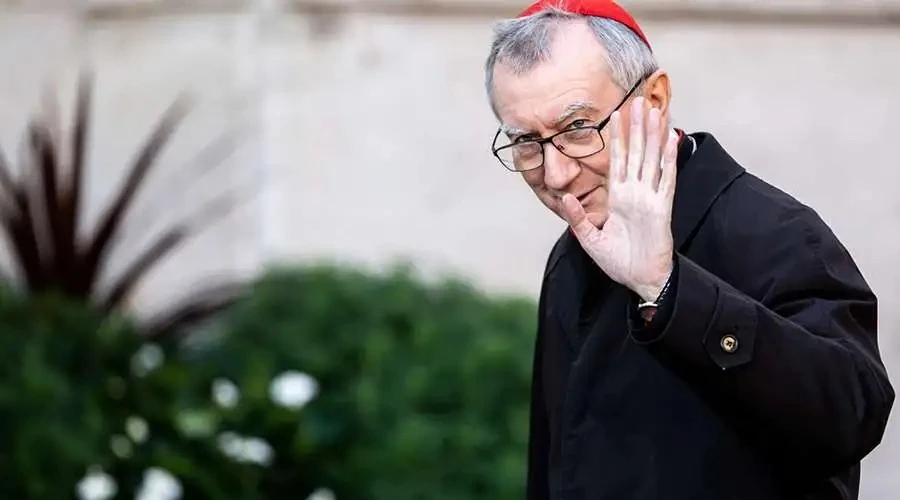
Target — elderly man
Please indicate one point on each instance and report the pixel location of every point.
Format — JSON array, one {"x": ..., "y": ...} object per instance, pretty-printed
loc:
[{"x": 710, "y": 341}]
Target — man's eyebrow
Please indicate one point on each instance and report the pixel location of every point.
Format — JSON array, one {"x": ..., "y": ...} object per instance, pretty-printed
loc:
[
  {"x": 513, "y": 131},
  {"x": 573, "y": 109}
]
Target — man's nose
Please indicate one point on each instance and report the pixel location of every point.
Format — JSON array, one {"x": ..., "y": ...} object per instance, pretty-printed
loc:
[{"x": 559, "y": 169}]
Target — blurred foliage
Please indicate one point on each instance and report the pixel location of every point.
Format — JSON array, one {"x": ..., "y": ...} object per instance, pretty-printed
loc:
[
  {"x": 379, "y": 387},
  {"x": 79, "y": 391},
  {"x": 423, "y": 388},
  {"x": 52, "y": 252}
]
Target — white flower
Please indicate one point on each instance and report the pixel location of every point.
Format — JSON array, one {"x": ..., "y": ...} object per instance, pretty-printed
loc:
[
  {"x": 148, "y": 358},
  {"x": 96, "y": 485},
  {"x": 293, "y": 389},
  {"x": 258, "y": 451},
  {"x": 120, "y": 446},
  {"x": 159, "y": 484},
  {"x": 322, "y": 494},
  {"x": 230, "y": 444},
  {"x": 246, "y": 450},
  {"x": 137, "y": 429},
  {"x": 225, "y": 393}
]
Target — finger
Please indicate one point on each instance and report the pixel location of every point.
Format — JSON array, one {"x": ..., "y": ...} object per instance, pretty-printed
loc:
[
  {"x": 652, "y": 152},
  {"x": 669, "y": 168},
  {"x": 575, "y": 215},
  {"x": 635, "y": 140},
  {"x": 616, "y": 151},
  {"x": 664, "y": 129}
]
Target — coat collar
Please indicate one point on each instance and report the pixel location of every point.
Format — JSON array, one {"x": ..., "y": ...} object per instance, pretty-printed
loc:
[{"x": 702, "y": 177}]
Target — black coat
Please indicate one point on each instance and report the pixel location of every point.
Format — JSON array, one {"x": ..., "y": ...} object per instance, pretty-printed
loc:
[{"x": 763, "y": 382}]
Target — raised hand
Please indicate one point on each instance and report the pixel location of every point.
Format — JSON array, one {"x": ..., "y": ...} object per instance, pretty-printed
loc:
[{"x": 635, "y": 246}]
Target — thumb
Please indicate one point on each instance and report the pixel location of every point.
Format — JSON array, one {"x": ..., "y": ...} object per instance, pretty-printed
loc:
[{"x": 574, "y": 214}]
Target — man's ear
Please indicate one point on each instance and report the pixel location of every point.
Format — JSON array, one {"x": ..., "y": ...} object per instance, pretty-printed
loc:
[{"x": 658, "y": 91}]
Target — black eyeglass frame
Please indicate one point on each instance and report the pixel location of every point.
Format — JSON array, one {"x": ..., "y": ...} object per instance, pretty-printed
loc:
[{"x": 549, "y": 140}]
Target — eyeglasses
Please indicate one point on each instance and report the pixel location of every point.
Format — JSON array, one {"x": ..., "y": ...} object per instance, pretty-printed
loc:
[{"x": 576, "y": 142}]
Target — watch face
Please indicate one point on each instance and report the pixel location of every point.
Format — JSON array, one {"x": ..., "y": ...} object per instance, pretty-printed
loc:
[{"x": 647, "y": 312}]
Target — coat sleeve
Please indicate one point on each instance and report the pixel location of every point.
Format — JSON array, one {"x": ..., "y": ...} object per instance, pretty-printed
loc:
[
  {"x": 539, "y": 426},
  {"x": 797, "y": 370}
]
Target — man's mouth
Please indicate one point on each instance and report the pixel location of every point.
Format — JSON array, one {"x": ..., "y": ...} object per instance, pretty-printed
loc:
[{"x": 583, "y": 197}]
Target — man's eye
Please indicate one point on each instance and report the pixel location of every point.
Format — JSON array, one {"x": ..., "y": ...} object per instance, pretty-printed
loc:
[
  {"x": 578, "y": 124},
  {"x": 523, "y": 138}
]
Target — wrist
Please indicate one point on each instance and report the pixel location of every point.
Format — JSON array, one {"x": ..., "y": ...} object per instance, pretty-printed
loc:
[{"x": 650, "y": 291}]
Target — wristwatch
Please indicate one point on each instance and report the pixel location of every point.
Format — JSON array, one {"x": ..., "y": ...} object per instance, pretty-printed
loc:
[{"x": 648, "y": 309}]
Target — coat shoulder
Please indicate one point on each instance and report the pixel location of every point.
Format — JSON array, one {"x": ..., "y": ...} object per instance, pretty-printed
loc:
[
  {"x": 752, "y": 211},
  {"x": 762, "y": 235}
]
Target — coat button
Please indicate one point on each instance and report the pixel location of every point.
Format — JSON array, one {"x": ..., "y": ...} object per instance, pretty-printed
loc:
[{"x": 729, "y": 343}]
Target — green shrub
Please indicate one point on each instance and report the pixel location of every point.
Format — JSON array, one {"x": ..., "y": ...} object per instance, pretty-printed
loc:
[
  {"x": 423, "y": 389},
  {"x": 373, "y": 386},
  {"x": 80, "y": 394},
  {"x": 58, "y": 362}
]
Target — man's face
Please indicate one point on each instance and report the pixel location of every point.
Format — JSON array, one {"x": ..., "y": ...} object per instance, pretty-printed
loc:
[{"x": 573, "y": 86}]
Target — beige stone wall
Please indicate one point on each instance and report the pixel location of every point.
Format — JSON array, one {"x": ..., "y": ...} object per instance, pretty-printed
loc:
[{"x": 370, "y": 131}]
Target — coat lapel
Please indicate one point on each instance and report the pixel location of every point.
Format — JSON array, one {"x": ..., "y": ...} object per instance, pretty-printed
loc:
[
  {"x": 568, "y": 281},
  {"x": 701, "y": 179}
]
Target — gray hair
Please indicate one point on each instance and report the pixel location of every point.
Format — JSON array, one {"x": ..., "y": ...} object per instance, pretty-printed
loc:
[{"x": 522, "y": 43}]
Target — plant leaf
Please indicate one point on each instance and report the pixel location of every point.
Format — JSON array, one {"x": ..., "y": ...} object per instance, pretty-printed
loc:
[
  {"x": 70, "y": 192},
  {"x": 10, "y": 203},
  {"x": 115, "y": 213},
  {"x": 8, "y": 186},
  {"x": 213, "y": 211},
  {"x": 34, "y": 181},
  {"x": 19, "y": 223},
  {"x": 201, "y": 307},
  {"x": 128, "y": 281},
  {"x": 48, "y": 195},
  {"x": 200, "y": 165},
  {"x": 26, "y": 254}
]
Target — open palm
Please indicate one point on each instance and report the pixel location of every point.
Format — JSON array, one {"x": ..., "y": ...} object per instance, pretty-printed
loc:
[{"x": 634, "y": 247}]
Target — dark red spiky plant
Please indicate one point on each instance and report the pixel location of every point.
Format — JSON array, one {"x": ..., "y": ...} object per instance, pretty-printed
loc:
[{"x": 51, "y": 251}]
